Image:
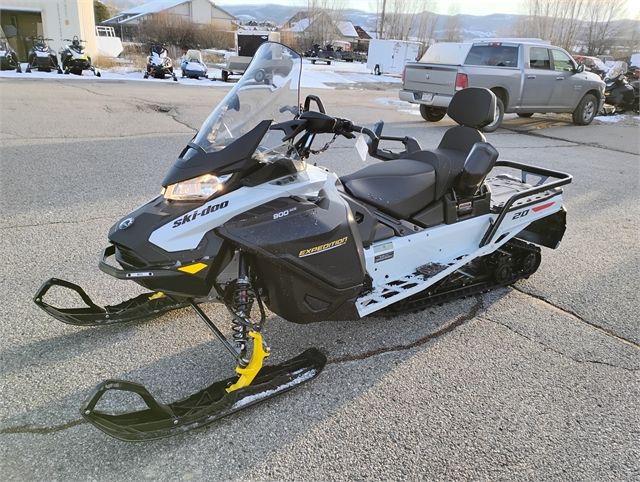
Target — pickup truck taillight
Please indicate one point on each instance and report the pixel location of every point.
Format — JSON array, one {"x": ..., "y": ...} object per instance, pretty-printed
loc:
[
  {"x": 404, "y": 74},
  {"x": 462, "y": 81}
]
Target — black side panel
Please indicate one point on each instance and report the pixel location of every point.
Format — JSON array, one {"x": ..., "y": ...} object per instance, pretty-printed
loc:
[
  {"x": 135, "y": 252},
  {"x": 547, "y": 231},
  {"x": 307, "y": 256}
]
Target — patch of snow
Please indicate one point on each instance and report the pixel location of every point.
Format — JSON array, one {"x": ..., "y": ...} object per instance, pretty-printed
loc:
[
  {"x": 611, "y": 118},
  {"x": 403, "y": 106}
]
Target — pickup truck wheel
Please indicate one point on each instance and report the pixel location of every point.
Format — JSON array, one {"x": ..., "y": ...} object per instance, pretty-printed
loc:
[
  {"x": 432, "y": 114},
  {"x": 586, "y": 110},
  {"x": 525, "y": 115},
  {"x": 498, "y": 120}
]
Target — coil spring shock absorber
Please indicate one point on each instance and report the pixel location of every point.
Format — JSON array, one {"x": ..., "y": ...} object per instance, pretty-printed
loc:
[{"x": 241, "y": 303}]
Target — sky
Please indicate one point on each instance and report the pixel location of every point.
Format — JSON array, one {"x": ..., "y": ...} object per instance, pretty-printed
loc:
[{"x": 469, "y": 7}]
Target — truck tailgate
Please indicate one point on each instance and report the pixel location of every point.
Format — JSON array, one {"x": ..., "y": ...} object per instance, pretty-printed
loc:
[{"x": 435, "y": 78}]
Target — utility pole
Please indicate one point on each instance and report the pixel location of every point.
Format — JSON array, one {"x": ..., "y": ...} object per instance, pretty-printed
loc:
[{"x": 384, "y": 6}]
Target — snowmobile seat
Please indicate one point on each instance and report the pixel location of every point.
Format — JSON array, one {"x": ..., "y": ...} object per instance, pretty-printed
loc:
[
  {"x": 403, "y": 187},
  {"x": 400, "y": 187},
  {"x": 472, "y": 108}
]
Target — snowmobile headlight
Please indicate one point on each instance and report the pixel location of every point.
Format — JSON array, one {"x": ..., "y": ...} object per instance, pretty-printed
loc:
[{"x": 196, "y": 189}]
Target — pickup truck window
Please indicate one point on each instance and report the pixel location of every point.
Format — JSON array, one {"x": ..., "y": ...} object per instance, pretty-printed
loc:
[
  {"x": 493, "y": 55},
  {"x": 539, "y": 58},
  {"x": 561, "y": 61}
]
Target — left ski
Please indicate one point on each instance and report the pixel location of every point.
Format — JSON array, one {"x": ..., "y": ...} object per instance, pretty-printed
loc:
[
  {"x": 142, "y": 307},
  {"x": 201, "y": 408}
]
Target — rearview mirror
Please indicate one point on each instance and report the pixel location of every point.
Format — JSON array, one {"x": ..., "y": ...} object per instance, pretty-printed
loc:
[{"x": 579, "y": 68}]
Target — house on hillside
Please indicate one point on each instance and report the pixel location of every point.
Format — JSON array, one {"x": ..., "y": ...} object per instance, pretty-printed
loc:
[
  {"x": 203, "y": 12},
  {"x": 305, "y": 29},
  {"x": 362, "y": 43}
]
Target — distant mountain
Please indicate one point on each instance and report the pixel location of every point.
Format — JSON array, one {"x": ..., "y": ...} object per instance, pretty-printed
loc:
[{"x": 472, "y": 26}]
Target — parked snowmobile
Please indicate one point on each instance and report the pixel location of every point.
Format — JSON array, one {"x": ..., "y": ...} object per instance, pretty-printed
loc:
[
  {"x": 74, "y": 59},
  {"x": 318, "y": 54},
  {"x": 8, "y": 57},
  {"x": 618, "y": 91},
  {"x": 244, "y": 221},
  {"x": 159, "y": 64},
  {"x": 192, "y": 65},
  {"x": 42, "y": 57}
]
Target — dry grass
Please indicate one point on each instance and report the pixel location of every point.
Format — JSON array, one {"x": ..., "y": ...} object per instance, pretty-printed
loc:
[
  {"x": 104, "y": 62},
  {"x": 138, "y": 61},
  {"x": 211, "y": 58}
]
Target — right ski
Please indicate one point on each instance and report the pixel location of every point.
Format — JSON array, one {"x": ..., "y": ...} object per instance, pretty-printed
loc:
[
  {"x": 142, "y": 307},
  {"x": 160, "y": 420}
]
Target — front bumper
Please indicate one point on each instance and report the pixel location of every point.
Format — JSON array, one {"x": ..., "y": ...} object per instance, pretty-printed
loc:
[{"x": 425, "y": 98}]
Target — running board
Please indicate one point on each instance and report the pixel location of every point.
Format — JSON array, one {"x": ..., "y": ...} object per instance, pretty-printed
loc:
[{"x": 397, "y": 290}]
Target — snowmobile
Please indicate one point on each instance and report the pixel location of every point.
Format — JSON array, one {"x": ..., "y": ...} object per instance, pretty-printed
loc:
[
  {"x": 619, "y": 92},
  {"x": 42, "y": 57},
  {"x": 74, "y": 59},
  {"x": 192, "y": 65},
  {"x": 159, "y": 64},
  {"x": 8, "y": 57},
  {"x": 243, "y": 220},
  {"x": 318, "y": 54}
]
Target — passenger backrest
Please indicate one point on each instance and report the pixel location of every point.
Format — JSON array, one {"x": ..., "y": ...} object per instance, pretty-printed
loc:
[{"x": 472, "y": 108}]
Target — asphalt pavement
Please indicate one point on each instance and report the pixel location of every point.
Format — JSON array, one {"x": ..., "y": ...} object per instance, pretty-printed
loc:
[{"x": 537, "y": 381}]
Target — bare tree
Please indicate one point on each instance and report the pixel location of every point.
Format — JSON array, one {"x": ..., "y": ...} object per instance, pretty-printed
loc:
[
  {"x": 427, "y": 21},
  {"x": 323, "y": 17},
  {"x": 600, "y": 30},
  {"x": 453, "y": 29},
  {"x": 401, "y": 20},
  {"x": 557, "y": 21}
]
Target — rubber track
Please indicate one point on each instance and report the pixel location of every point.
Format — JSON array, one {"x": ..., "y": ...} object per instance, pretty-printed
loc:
[{"x": 419, "y": 302}]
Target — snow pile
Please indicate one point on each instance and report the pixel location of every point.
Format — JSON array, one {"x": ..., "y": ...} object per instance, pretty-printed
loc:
[
  {"x": 316, "y": 76},
  {"x": 611, "y": 119}
]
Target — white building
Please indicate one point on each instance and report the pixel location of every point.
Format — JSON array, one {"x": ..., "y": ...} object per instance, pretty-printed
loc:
[
  {"x": 196, "y": 11},
  {"x": 55, "y": 19}
]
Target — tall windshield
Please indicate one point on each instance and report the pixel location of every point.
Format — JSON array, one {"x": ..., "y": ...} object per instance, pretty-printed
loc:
[{"x": 268, "y": 90}]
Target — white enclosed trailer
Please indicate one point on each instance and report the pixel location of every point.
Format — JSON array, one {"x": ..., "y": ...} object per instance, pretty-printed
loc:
[{"x": 390, "y": 56}]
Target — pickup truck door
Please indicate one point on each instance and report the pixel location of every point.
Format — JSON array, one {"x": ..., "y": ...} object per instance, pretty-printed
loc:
[
  {"x": 569, "y": 87},
  {"x": 539, "y": 79}
]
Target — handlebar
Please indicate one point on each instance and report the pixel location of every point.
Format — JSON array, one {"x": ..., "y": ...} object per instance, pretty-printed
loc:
[{"x": 311, "y": 123}]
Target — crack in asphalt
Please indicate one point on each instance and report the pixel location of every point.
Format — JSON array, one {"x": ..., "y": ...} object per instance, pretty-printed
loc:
[
  {"x": 461, "y": 320},
  {"x": 65, "y": 140},
  {"x": 42, "y": 430},
  {"x": 573, "y": 314},
  {"x": 589, "y": 144},
  {"x": 49, "y": 223},
  {"x": 87, "y": 90},
  {"x": 558, "y": 352},
  {"x": 175, "y": 118}
]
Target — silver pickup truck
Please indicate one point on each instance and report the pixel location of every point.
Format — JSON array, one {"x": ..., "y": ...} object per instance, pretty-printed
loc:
[{"x": 527, "y": 76}]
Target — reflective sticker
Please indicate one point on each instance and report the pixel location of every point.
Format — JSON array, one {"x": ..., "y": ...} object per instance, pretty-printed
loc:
[{"x": 193, "y": 268}]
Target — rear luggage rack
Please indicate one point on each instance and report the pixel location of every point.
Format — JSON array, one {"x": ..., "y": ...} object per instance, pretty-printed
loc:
[{"x": 542, "y": 186}]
